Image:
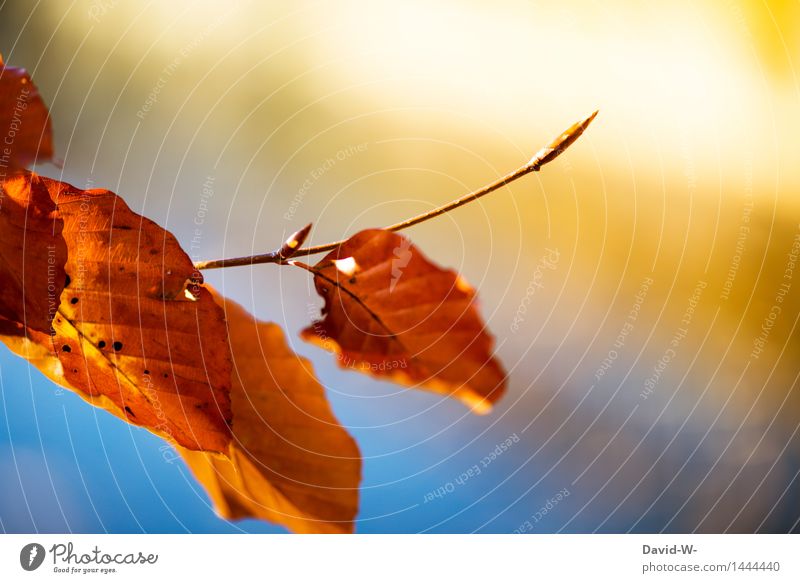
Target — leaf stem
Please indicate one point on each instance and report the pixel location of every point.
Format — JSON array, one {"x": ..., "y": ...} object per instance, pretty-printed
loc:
[{"x": 542, "y": 157}]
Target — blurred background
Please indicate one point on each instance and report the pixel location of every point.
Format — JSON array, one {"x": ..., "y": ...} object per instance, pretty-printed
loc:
[{"x": 643, "y": 289}]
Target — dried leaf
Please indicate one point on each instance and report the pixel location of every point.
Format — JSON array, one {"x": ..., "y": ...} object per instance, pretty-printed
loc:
[
  {"x": 132, "y": 333},
  {"x": 392, "y": 313},
  {"x": 25, "y": 130},
  {"x": 290, "y": 460},
  {"x": 29, "y": 228}
]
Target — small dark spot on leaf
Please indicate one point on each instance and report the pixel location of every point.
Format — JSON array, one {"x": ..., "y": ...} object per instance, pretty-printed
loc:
[
  {"x": 129, "y": 412},
  {"x": 165, "y": 375},
  {"x": 153, "y": 251},
  {"x": 101, "y": 344},
  {"x": 75, "y": 371},
  {"x": 146, "y": 371},
  {"x": 73, "y": 301},
  {"x": 352, "y": 280},
  {"x": 117, "y": 345},
  {"x": 67, "y": 281},
  {"x": 66, "y": 348}
]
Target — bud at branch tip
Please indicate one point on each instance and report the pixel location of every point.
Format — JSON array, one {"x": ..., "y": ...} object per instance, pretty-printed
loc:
[{"x": 561, "y": 143}]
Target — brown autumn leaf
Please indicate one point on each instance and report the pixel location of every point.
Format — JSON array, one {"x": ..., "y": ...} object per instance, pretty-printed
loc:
[
  {"x": 392, "y": 313},
  {"x": 28, "y": 225},
  {"x": 134, "y": 331},
  {"x": 290, "y": 461},
  {"x": 25, "y": 130}
]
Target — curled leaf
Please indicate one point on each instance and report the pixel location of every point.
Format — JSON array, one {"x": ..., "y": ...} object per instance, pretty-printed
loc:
[
  {"x": 290, "y": 460},
  {"x": 392, "y": 313},
  {"x": 133, "y": 332}
]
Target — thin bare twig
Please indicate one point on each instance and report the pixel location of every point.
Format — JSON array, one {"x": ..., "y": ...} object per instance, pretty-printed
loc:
[{"x": 542, "y": 157}]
